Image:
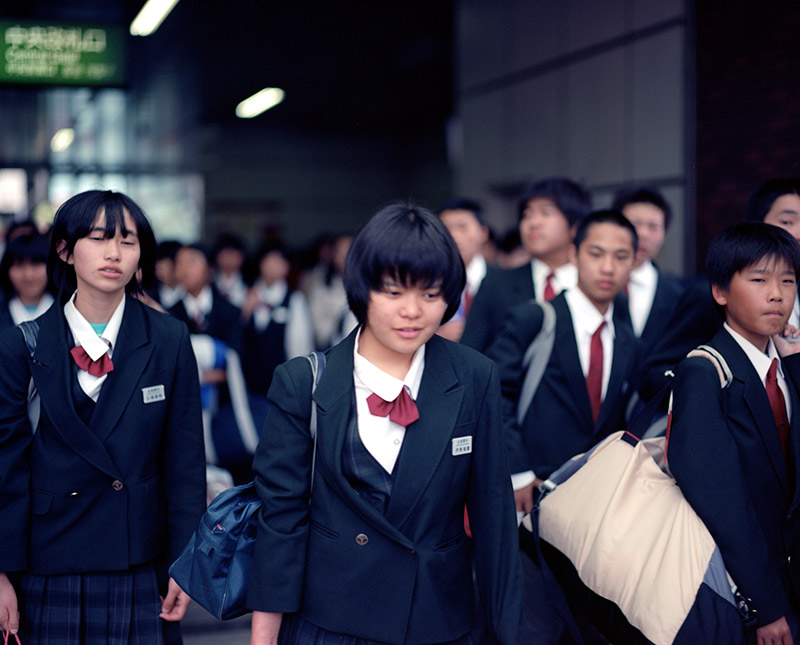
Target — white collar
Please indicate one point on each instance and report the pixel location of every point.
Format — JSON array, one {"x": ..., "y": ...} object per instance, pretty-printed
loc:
[
  {"x": 20, "y": 313},
  {"x": 476, "y": 272},
  {"x": 760, "y": 361},
  {"x": 85, "y": 336},
  {"x": 585, "y": 316},
  {"x": 385, "y": 385},
  {"x": 273, "y": 294},
  {"x": 645, "y": 274},
  {"x": 200, "y": 304}
]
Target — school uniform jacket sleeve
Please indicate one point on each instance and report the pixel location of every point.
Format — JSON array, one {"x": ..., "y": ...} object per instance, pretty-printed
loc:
[{"x": 707, "y": 465}]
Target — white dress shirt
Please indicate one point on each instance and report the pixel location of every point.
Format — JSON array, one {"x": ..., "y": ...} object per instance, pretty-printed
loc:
[
  {"x": 761, "y": 362},
  {"x": 299, "y": 337},
  {"x": 641, "y": 293},
  {"x": 95, "y": 345},
  {"x": 199, "y": 306},
  {"x": 381, "y": 436},
  {"x": 564, "y": 277},
  {"x": 20, "y": 313}
]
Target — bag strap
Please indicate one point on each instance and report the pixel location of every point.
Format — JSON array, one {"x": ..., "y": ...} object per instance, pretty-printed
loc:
[
  {"x": 30, "y": 332},
  {"x": 536, "y": 358},
  {"x": 317, "y": 362}
]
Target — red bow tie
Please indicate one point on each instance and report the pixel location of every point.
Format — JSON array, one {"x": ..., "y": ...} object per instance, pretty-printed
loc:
[
  {"x": 403, "y": 411},
  {"x": 101, "y": 366}
]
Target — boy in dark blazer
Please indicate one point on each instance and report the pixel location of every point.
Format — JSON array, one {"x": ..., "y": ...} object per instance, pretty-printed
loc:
[
  {"x": 652, "y": 295},
  {"x": 734, "y": 451},
  {"x": 696, "y": 318},
  {"x": 548, "y": 212},
  {"x": 570, "y": 412}
]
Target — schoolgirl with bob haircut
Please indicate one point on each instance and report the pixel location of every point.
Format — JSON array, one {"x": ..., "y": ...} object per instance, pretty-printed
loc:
[
  {"x": 102, "y": 493},
  {"x": 408, "y": 431}
]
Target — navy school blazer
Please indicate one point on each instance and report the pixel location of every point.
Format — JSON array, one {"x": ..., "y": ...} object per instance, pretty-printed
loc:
[
  {"x": 125, "y": 490},
  {"x": 402, "y": 577},
  {"x": 559, "y": 422},
  {"x": 725, "y": 454}
]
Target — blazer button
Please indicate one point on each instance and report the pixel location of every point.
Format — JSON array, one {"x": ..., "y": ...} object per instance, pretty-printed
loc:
[
  {"x": 117, "y": 485},
  {"x": 361, "y": 539}
]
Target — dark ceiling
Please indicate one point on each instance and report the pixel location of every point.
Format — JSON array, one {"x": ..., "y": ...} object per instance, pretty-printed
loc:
[{"x": 363, "y": 67}]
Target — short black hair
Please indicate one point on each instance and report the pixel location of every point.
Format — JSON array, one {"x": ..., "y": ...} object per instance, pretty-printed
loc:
[
  {"x": 763, "y": 197},
  {"x": 228, "y": 241},
  {"x": 410, "y": 244},
  {"x": 167, "y": 249},
  {"x": 643, "y": 195},
  {"x": 201, "y": 248},
  {"x": 464, "y": 204},
  {"x": 747, "y": 244},
  {"x": 31, "y": 247},
  {"x": 571, "y": 198},
  {"x": 605, "y": 217},
  {"x": 74, "y": 220}
]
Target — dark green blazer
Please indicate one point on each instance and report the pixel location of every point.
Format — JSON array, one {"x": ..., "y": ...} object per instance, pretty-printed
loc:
[{"x": 402, "y": 577}]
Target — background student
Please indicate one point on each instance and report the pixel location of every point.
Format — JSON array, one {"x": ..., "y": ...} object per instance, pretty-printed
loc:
[
  {"x": 696, "y": 318},
  {"x": 583, "y": 391},
  {"x": 465, "y": 222},
  {"x": 548, "y": 212},
  {"x": 104, "y": 495},
  {"x": 735, "y": 452},
  {"x": 652, "y": 295},
  {"x": 408, "y": 432},
  {"x": 24, "y": 282}
]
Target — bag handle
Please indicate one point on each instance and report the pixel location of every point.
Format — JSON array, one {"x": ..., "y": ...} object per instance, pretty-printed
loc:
[{"x": 8, "y": 633}]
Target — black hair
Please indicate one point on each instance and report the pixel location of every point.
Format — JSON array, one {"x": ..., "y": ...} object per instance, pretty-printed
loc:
[
  {"x": 763, "y": 197},
  {"x": 167, "y": 249},
  {"x": 643, "y": 195},
  {"x": 228, "y": 241},
  {"x": 464, "y": 204},
  {"x": 571, "y": 199},
  {"x": 747, "y": 244},
  {"x": 271, "y": 247},
  {"x": 75, "y": 219},
  {"x": 605, "y": 217},
  {"x": 410, "y": 244},
  {"x": 31, "y": 247},
  {"x": 201, "y": 248}
]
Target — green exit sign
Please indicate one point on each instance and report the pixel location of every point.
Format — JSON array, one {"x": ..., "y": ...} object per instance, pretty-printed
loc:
[{"x": 61, "y": 54}]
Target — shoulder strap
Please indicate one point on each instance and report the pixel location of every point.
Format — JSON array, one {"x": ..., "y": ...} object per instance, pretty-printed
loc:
[
  {"x": 536, "y": 358},
  {"x": 317, "y": 362},
  {"x": 30, "y": 332},
  {"x": 725, "y": 373}
]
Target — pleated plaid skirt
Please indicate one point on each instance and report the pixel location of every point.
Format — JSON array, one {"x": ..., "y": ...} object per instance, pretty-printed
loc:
[
  {"x": 92, "y": 608},
  {"x": 296, "y": 631}
]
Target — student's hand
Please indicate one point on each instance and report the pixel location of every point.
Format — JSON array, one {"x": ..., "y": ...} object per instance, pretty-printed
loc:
[
  {"x": 788, "y": 341},
  {"x": 777, "y": 633},
  {"x": 173, "y": 607},
  {"x": 523, "y": 497},
  {"x": 9, "y": 611},
  {"x": 264, "y": 628}
]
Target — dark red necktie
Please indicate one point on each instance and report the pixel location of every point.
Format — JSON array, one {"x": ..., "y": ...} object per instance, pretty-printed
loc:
[
  {"x": 467, "y": 301},
  {"x": 594, "y": 379},
  {"x": 778, "y": 405},
  {"x": 403, "y": 411},
  {"x": 101, "y": 366},
  {"x": 549, "y": 292}
]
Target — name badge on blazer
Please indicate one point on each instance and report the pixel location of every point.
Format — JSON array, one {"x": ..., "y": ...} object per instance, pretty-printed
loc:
[
  {"x": 153, "y": 394},
  {"x": 462, "y": 445}
]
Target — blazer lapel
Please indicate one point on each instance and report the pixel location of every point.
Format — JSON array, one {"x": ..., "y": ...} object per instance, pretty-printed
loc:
[
  {"x": 622, "y": 355},
  {"x": 52, "y": 372},
  {"x": 757, "y": 402},
  {"x": 567, "y": 350},
  {"x": 131, "y": 354},
  {"x": 427, "y": 439}
]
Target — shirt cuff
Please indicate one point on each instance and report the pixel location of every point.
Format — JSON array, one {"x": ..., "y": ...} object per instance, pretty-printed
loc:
[{"x": 521, "y": 480}]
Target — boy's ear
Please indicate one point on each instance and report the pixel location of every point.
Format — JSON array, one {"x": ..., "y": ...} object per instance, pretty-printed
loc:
[
  {"x": 572, "y": 230},
  {"x": 720, "y": 295},
  {"x": 61, "y": 249}
]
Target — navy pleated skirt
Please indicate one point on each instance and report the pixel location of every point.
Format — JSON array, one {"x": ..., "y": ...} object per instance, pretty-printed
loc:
[
  {"x": 296, "y": 631},
  {"x": 92, "y": 608}
]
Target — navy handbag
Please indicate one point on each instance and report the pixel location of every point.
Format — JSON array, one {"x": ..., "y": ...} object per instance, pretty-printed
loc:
[{"x": 214, "y": 567}]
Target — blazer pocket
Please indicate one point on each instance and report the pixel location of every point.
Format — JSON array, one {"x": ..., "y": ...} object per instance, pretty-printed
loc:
[
  {"x": 324, "y": 530},
  {"x": 452, "y": 543},
  {"x": 41, "y": 502}
]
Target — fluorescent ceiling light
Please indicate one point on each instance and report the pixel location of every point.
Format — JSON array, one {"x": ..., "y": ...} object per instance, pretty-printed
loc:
[
  {"x": 260, "y": 102},
  {"x": 151, "y": 16},
  {"x": 62, "y": 139}
]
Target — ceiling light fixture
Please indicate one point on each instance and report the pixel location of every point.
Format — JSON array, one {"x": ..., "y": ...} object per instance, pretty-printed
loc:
[
  {"x": 151, "y": 16},
  {"x": 260, "y": 102},
  {"x": 62, "y": 139}
]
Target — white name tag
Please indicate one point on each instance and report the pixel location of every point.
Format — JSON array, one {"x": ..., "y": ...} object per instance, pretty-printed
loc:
[
  {"x": 153, "y": 394},
  {"x": 462, "y": 445}
]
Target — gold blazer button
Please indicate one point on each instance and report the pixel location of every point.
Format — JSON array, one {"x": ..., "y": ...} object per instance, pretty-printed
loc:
[
  {"x": 361, "y": 539},
  {"x": 117, "y": 485}
]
